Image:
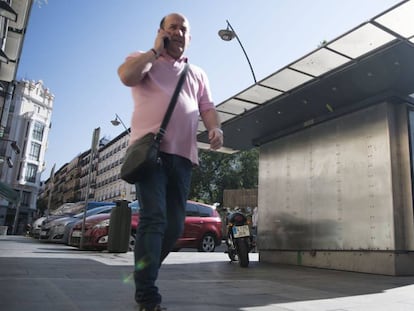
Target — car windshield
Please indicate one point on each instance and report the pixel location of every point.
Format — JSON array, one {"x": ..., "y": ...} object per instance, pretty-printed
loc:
[
  {"x": 107, "y": 208},
  {"x": 96, "y": 210},
  {"x": 134, "y": 206}
]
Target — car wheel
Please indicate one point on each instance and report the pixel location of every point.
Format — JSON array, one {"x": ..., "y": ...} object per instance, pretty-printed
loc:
[
  {"x": 131, "y": 245},
  {"x": 208, "y": 243}
]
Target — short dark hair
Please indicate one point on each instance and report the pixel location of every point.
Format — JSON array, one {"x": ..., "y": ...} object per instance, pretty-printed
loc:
[{"x": 162, "y": 22}]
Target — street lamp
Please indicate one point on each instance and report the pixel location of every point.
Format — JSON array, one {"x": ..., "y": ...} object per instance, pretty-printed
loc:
[
  {"x": 15, "y": 147},
  {"x": 227, "y": 35},
  {"x": 13, "y": 144},
  {"x": 9, "y": 162},
  {"x": 117, "y": 121}
]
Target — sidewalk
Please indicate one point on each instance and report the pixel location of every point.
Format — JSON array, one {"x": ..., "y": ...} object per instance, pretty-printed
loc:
[{"x": 52, "y": 277}]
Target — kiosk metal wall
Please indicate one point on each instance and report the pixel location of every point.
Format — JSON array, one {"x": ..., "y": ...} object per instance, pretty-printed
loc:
[{"x": 337, "y": 186}]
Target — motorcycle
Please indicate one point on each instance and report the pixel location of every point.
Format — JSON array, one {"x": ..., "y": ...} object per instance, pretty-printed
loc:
[{"x": 239, "y": 239}]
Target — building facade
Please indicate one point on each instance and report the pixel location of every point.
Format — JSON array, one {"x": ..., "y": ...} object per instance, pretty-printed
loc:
[
  {"x": 14, "y": 17},
  {"x": 29, "y": 121},
  {"x": 109, "y": 185},
  {"x": 79, "y": 180}
]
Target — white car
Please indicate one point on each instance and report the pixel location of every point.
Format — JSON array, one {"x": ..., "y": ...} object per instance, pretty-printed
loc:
[{"x": 37, "y": 227}]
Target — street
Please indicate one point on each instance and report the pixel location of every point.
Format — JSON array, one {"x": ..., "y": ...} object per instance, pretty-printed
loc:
[{"x": 43, "y": 276}]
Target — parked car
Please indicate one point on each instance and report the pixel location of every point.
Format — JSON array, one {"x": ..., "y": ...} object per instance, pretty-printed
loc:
[
  {"x": 59, "y": 229},
  {"x": 63, "y": 210},
  {"x": 69, "y": 211},
  {"x": 37, "y": 227},
  {"x": 97, "y": 228},
  {"x": 202, "y": 229}
]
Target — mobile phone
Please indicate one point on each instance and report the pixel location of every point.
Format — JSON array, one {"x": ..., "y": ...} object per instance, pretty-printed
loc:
[{"x": 166, "y": 42}]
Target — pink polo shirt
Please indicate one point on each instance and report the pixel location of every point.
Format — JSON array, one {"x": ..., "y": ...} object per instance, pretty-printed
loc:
[{"x": 152, "y": 97}]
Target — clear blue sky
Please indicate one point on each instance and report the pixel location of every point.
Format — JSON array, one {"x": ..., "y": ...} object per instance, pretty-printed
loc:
[{"x": 76, "y": 46}]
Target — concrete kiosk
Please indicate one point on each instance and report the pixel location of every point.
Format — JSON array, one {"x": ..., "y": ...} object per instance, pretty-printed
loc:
[{"x": 335, "y": 131}]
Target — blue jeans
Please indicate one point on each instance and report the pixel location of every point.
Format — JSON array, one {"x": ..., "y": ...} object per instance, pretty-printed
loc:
[{"x": 162, "y": 197}]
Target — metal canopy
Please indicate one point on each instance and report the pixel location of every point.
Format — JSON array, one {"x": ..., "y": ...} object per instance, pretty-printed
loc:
[{"x": 372, "y": 62}]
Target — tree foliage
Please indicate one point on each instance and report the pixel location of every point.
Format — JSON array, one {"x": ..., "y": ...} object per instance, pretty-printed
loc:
[{"x": 218, "y": 171}]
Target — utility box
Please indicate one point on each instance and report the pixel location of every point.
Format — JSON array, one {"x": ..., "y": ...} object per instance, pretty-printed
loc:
[{"x": 119, "y": 228}]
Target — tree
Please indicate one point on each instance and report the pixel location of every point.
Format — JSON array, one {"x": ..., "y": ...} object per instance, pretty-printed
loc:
[{"x": 218, "y": 171}]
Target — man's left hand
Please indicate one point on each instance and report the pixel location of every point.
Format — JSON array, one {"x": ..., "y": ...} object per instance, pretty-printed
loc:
[{"x": 215, "y": 137}]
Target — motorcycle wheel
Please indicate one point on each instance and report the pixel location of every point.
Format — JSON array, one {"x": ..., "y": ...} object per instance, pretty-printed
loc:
[
  {"x": 243, "y": 252},
  {"x": 232, "y": 254}
]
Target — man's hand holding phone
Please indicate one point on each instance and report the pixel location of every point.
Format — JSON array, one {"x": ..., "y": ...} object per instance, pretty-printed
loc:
[
  {"x": 166, "y": 42},
  {"x": 161, "y": 41}
]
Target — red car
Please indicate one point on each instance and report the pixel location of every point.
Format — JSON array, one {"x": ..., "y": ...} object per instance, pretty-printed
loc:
[
  {"x": 202, "y": 229},
  {"x": 97, "y": 229}
]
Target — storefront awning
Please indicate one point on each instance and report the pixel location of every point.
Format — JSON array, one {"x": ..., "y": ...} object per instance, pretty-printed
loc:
[{"x": 8, "y": 193}]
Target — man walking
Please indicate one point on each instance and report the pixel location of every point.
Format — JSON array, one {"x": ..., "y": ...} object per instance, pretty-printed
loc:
[{"x": 152, "y": 76}]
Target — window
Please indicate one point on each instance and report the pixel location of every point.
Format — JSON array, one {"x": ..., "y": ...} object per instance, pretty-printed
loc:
[
  {"x": 34, "y": 151},
  {"x": 38, "y": 130},
  {"x": 191, "y": 210},
  {"x": 205, "y": 211},
  {"x": 31, "y": 173},
  {"x": 25, "y": 198}
]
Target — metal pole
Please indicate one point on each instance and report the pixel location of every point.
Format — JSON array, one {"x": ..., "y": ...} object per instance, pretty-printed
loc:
[
  {"x": 16, "y": 215},
  {"x": 123, "y": 124},
  {"x": 244, "y": 51},
  {"x": 52, "y": 184},
  {"x": 49, "y": 199},
  {"x": 94, "y": 148}
]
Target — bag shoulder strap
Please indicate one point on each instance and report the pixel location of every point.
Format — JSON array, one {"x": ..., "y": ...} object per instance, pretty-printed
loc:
[{"x": 171, "y": 106}]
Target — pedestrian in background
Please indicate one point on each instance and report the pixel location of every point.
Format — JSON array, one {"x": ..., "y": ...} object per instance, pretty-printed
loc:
[{"x": 152, "y": 76}]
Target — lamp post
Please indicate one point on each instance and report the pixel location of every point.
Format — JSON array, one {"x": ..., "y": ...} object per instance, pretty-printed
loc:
[
  {"x": 117, "y": 121},
  {"x": 227, "y": 35},
  {"x": 16, "y": 150},
  {"x": 94, "y": 150},
  {"x": 13, "y": 144}
]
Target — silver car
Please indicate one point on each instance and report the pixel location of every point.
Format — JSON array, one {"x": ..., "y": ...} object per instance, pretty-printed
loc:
[{"x": 58, "y": 230}]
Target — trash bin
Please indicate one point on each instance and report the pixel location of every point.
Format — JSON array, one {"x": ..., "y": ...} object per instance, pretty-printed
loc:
[
  {"x": 119, "y": 228},
  {"x": 3, "y": 230}
]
